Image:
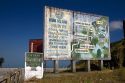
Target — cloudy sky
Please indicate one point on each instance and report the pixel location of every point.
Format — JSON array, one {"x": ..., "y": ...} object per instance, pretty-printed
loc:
[
  {"x": 21, "y": 20},
  {"x": 116, "y": 25}
]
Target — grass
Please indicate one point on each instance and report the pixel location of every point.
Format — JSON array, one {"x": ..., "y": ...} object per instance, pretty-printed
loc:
[{"x": 104, "y": 76}]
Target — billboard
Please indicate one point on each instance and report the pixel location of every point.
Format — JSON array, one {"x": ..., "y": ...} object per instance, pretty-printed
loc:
[{"x": 75, "y": 35}]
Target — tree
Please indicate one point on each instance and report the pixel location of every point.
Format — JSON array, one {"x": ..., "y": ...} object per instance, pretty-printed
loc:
[{"x": 1, "y": 61}]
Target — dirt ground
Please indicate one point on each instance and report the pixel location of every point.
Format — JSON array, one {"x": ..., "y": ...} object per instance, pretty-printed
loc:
[{"x": 104, "y": 76}]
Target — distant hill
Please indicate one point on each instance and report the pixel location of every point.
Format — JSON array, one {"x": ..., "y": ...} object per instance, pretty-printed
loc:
[{"x": 118, "y": 53}]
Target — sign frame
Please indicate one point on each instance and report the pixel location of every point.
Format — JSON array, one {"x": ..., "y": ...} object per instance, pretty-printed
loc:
[
  {"x": 93, "y": 18},
  {"x": 32, "y": 70}
]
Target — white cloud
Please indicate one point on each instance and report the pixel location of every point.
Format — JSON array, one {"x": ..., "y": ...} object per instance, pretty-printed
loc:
[{"x": 115, "y": 25}]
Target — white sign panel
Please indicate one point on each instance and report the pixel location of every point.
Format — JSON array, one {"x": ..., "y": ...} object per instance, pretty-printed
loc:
[
  {"x": 33, "y": 65},
  {"x": 58, "y": 24}
]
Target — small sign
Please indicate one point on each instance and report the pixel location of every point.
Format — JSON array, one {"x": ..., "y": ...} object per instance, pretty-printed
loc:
[{"x": 33, "y": 65}]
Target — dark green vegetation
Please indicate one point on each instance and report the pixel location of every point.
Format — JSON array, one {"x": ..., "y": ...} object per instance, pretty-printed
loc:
[
  {"x": 118, "y": 54},
  {"x": 1, "y": 61},
  {"x": 95, "y": 40},
  {"x": 99, "y": 53}
]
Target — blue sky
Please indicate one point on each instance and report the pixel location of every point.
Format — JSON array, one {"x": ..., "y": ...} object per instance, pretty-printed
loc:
[{"x": 21, "y": 20}]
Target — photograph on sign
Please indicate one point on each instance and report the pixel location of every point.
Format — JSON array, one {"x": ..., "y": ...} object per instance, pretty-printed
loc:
[{"x": 75, "y": 35}]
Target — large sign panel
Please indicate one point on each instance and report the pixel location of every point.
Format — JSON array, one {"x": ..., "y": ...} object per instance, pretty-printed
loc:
[
  {"x": 91, "y": 37},
  {"x": 58, "y": 24},
  {"x": 33, "y": 65},
  {"x": 75, "y": 35}
]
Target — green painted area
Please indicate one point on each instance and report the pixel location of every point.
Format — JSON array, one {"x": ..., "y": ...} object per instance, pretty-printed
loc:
[
  {"x": 33, "y": 59},
  {"x": 91, "y": 40}
]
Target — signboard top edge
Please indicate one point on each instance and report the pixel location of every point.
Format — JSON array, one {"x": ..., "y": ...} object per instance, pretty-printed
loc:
[
  {"x": 33, "y": 52},
  {"x": 77, "y": 11}
]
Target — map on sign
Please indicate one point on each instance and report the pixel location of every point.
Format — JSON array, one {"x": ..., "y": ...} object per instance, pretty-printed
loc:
[
  {"x": 91, "y": 37},
  {"x": 33, "y": 59},
  {"x": 75, "y": 35}
]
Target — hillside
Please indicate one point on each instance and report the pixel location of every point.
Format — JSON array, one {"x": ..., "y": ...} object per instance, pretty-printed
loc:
[{"x": 118, "y": 53}]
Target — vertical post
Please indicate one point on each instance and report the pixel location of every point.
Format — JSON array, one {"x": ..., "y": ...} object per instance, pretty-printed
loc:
[
  {"x": 21, "y": 78},
  {"x": 101, "y": 64},
  {"x": 45, "y": 65},
  {"x": 16, "y": 76},
  {"x": 89, "y": 69},
  {"x": 73, "y": 66},
  {"x": 56, "y": 65},
  {"x": 32, "y": 47},
  {"x": 8, "y": 78}
]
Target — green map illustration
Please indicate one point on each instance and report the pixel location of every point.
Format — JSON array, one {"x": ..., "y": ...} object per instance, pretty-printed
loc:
[{"x": 90, "y": 39}]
